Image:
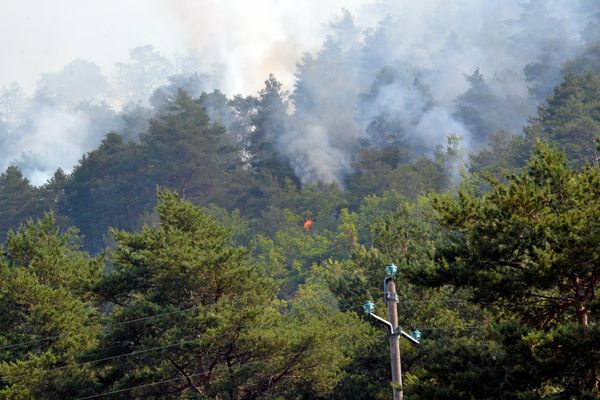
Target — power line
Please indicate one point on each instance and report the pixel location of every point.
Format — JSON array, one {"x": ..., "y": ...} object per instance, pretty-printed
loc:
[
  {"x": 103, "y": 326},
  {"x": 141, "y": 386},
  {"x": 196, "y": 307},
  {"x": 449, "y": 328},
  {"x": 142, "y": 351},
  {"x": 351, "y": 307},
  {"x": 187, "y": 377},
  {"x": 20, "y": 344},
  {"x": 433, "y": 301},
  {"x": 46, "y": 338},
  {"x": 98, "y": 360},
  {"x": 240, "y": 365},
  {"x": 95, "y": 361},
  {"x": 10, "y": 346},
  {"x": 133, "y": 353}
]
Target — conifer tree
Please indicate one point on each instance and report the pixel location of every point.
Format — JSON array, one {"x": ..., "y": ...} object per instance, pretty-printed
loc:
[
  {"x": 48, "y": 318},
  {"x": 18, "y": 200},
  {"x": 225, "y": 333},
  {"x": 530, "y": 247}
]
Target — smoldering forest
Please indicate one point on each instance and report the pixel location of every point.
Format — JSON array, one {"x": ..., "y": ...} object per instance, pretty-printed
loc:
[{"x": 390, "y": 74}]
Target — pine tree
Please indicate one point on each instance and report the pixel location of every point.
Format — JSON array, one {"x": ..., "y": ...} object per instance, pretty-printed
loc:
[
  {"x": 530, "y": 247},
  {"x": 19, "y": 200},
  {"x": 226, "y": 332},
  {"x": 48, "y": 318},
  {"x": 109, "y": 188},
  {"x": 191, "y": 154},
  {"x": 571, "y": 118}
]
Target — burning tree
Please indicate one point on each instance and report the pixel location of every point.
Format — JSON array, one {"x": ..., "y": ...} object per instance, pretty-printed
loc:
[{"x": 308, "y": 224}]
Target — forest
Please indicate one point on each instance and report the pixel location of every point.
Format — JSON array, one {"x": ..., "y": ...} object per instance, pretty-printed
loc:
[{"x": 216, "y": 246}]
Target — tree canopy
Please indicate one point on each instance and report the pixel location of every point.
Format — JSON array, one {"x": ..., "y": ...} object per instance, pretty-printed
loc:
[{"x": 203, "y": 264}]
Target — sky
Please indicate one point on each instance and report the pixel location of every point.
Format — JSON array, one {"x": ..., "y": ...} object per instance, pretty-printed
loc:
[{"x": 251, "y": 38}]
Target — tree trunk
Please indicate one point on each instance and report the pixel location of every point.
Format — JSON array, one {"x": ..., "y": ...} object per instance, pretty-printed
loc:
[
  {"x": 584, "y": 292},
  {"x": 582, "y": 314}
]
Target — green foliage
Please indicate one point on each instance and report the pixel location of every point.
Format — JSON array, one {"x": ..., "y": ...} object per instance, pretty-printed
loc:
[
  {"x": 392, "y": 168},
  {"x": 587, "y": 60},
  {"x": 505, "y": 155},
  {"x": 483, "y": 111},
  {"x": 114, "y": 185},
  {"x": 189, "y": 153},
  {"x": 270, "y": 121},
  {"x": 531, "y": 240},
  {"x": 18, "y": 200},
  {"x": 222, "y": 293},
  {"x": 54, "y": 257},
  {"x": 48, "y": 317},
  {"x": 571, "y": 118},
  {"x": 391, "y": 229},
  {"x": 530, "y": 247},
  {"x": 235, "y": 339},
  {"x": 107, "y": 189}
]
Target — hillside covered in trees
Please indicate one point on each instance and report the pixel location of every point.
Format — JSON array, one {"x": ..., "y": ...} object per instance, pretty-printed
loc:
[{"x": 175, "y": 260}]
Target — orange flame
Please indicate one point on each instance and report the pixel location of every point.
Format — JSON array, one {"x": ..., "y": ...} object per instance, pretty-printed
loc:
[{"x": 308, "y": 224}]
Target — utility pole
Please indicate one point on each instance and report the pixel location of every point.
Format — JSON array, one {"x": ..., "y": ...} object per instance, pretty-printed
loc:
[
  {"x": 391, "y": 299},
  {"x": 395, "y": 331}
]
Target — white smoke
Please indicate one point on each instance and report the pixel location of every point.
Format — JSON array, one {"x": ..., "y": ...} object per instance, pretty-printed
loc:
[
  {"x": 54, "y": 138},
  {"x": 313, "y": 158},
  {"x": 427, "y": 49},
  {"x": 72, "y": 109}
]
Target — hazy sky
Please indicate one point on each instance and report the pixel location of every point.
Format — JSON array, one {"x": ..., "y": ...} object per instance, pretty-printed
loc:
[{"x": 254, "y": 37}]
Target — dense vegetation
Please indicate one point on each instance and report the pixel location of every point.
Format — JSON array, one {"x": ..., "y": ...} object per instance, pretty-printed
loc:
[{"x": 189, "y": 273}]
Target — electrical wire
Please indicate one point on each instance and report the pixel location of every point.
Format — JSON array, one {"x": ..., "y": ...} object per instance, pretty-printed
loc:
[
  {"x": 46, "y": 338},
  {"x": 351, "y": 307},
  {"x": 448, "y": 328},
  {"x": 10, "y": 346},
  {"x": 95, "y": 361},
  {"x": 95, "y": 396},
  {"x": 187, "y": 377},
  {"x": 433, "y": 301},
  {"x": 171, "y": 345},
  {"x": 238, "y": 366},
  {"x": 198, "y": 374},
  {"x": 132, "y": 353}
]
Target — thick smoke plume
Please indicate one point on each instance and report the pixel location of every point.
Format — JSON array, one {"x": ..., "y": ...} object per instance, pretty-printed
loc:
[
  {"x": 72, "y": 109},
  {"x": 427, "y": 71},
  {"x": 388, "y": 72}
]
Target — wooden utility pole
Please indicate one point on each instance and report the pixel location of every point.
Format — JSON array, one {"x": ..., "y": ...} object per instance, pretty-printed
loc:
[
  {"x": 392, "y": 314},
  {"x": 391, "y": 301}
]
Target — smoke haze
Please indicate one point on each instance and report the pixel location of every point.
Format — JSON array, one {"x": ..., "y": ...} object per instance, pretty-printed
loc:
[{"x": 377, "y": 73}]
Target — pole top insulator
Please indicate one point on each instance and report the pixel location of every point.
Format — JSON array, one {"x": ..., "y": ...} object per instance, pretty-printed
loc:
[
  {"x": 391, "y": 269},
  {"x": 416, "y": 334},
  {"x": 368, "y": 307}
]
